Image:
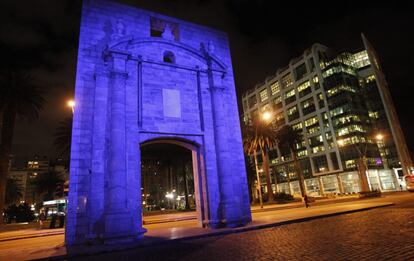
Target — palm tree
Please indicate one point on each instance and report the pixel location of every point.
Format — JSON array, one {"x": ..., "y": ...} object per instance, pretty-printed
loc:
[
  {"x": 46, "y": 183},
  {"x": 287, "y": 136},
  {"x": 13, "y": 191},
  {"x": 63, "y": 136},
  {"x": 19, "y": 97},
  {"x": 260, "y": 135}
]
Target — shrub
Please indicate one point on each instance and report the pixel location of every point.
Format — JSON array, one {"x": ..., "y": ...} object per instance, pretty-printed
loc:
[{"x": 282, "y": 196}]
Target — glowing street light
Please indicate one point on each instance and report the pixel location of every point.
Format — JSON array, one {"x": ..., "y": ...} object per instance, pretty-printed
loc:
[
  {"x": 71, "y": 103},
  {"x": 379, "y": 137},
  {"x": 266, "y": 116}
]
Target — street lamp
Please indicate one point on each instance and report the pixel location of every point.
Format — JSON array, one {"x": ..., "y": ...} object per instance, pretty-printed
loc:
[
  {"x": 266, "y": 116},
  {"x": 71, "y": 103},
  {"x": 380, "y": 143}
]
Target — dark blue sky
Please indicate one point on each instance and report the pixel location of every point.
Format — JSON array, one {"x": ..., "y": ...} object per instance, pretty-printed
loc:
[{"x": 42, "y": 36}]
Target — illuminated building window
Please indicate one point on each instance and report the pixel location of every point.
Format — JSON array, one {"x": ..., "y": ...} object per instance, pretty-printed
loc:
[
  {"x": 318, "y": 149},
  {"x": 278, "y": 102},
  {"x": 263, "y": 95},
  {"x": 311, "y": 121},
  {"x": 290, "y": 96},
  {"x": 347, "y": 119},
  {"x": 325, "y": 120},
  {"x": 302, "y": 153},
  {"x": 370, "y": 78},
  {"x": 275, "y": 88},
  {"x": 350, "y": 164},
  {"x": 373, "y": 114},
  {"x": 316, "y": 82},
  {"x": 292, "y": 113},
  {"x": 314, "y": 129},
  {"x": 316, "y": 140},
  {"x": 360, "y": 59},
  {"x": 297, "y": 126},
  {"x": 338, "y": 69},
  {"x": 304, "y": 89},
  {"x": 337, "y": 111},
  {"x": 339, "y": 89},
  {"x": 287, "y": 80},
  {"x": 308, "y": 106},
  {"x": 321, "y": 103},
  {"x": 350, "y": 129}
]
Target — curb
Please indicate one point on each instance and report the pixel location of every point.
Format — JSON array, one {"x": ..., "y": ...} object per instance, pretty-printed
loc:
[
  {"x": 213, "y": 234},
  {"x": 32, "y": 236}
]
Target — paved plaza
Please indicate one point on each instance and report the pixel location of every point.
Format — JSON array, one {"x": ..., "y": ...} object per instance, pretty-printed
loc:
[{"x": 294, "y": 233}]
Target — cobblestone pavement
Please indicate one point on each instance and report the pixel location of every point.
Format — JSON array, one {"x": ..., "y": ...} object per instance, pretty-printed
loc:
[{"x": 378, "y": 234}]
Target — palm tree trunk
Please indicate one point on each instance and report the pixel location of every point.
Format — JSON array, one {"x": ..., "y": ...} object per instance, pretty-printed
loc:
[
  {"x": 187, "y": 202},
  {"x": 258, "y": 180},
  {"x": 7, "y": 129},
  {"x": 299, "y": 172},
  {"x": 267, "y": 173}
]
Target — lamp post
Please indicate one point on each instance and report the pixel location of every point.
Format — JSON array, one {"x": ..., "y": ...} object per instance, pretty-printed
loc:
[{"x": 266, "y": 116}]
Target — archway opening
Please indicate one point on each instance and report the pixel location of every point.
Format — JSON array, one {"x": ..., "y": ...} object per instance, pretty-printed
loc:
[{"x": 167, "y": 179}]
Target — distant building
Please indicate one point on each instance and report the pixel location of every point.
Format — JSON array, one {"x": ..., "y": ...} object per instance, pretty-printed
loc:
[
  {"x": 20, "y": 175},
  {"x": 35, "y": 166},
  {"x": 339, "y": 103}
]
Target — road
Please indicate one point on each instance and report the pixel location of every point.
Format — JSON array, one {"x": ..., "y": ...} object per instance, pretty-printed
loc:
[{"x": 378, "y": 234}]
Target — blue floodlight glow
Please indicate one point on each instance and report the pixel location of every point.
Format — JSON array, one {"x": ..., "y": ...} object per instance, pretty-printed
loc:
[{"x": 143, "y": 79}]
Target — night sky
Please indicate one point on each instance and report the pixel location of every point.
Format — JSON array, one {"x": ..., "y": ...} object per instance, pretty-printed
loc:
[{"x": 42, "y": 36}]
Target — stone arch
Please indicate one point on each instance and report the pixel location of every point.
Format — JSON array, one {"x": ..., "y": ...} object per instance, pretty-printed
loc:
[
  {"x": 125, "y": 42},
  {"x": 198, "y": 168}
]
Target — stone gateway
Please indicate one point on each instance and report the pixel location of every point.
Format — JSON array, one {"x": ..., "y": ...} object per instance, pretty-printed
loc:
[{"x": 144, "y": 78}]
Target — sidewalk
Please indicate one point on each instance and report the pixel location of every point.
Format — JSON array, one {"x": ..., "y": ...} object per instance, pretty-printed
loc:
[{"x": 53, "y": 245}]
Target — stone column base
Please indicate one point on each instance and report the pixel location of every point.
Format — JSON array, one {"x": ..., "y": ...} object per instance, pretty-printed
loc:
[{"x": 119, "y": 228}]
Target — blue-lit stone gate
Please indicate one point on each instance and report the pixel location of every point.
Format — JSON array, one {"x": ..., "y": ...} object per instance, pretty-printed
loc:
[{"x": 146, "y": 78}]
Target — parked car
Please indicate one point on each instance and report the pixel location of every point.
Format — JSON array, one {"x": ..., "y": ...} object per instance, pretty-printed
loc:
[{"x": 409, "y": 181}]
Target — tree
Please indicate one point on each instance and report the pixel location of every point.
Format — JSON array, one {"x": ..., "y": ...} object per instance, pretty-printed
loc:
[
  {"x": 13, "y": 191},
  {"x": 46, "y": 183},
  {"x": 63, "y": 136},
  {"x": 260, "y": 135},
  {"x": 287, "y": 136},
  {"x": 19, "y": 97}
]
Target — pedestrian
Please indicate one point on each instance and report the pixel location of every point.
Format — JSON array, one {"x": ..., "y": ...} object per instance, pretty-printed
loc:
[
  {"x": 401, "y": 187},
  {"x": 42, "y": 218},
  {"x": 306, "y": 199}
]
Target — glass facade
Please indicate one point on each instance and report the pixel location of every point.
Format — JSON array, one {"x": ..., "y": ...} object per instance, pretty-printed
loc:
[{"x": 329, "y": 99}]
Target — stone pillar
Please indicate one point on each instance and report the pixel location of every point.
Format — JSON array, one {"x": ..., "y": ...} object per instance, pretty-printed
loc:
[
  {"x": 118, "y": 220},
  {"x": 230, "y": 213},
  {"x": 96, "y": 202}
]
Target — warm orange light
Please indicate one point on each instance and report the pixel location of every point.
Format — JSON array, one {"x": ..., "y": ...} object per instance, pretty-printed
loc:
[
  {"x": 71, "y": 103},
  {"x": 379, "y": 137},
  {"x": 340, "y": 142},
  {"x": 266, "y": 115}
]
